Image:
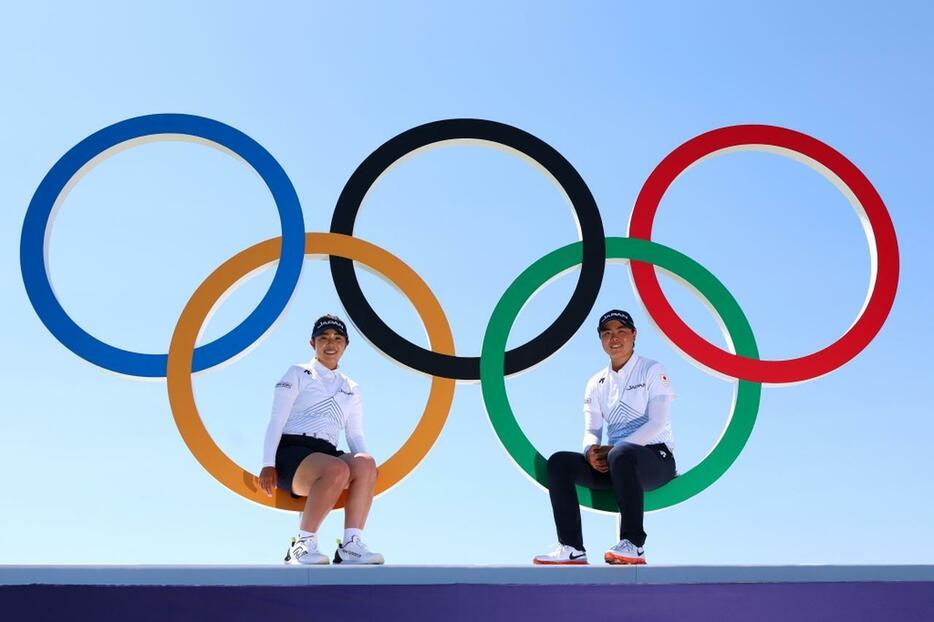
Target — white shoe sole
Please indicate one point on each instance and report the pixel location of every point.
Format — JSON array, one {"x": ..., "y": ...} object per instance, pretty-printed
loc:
[
  {"x": 375, "y": 561},
  {"x": 321, "y": 562}
]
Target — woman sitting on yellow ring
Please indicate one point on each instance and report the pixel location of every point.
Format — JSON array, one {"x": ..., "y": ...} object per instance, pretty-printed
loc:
[{"x": 313, "y": 403}]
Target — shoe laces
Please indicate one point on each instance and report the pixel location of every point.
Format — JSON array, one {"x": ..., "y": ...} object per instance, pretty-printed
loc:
[
  {"x": 561, "y": 549},
  {"x": 355, "y": 540},
  {"x": 625, "y": 546},
  {"x": 558, "y": 549}
]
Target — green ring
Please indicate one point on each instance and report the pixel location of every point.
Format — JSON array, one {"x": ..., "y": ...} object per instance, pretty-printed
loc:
[{"x": 517, "y": 445}]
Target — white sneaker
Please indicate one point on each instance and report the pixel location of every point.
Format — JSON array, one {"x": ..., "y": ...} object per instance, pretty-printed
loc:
[
  {"x": 356, "y": 552},
  {"x": 625, "y": 553},
  {"x": 305, "y": 551},
  {"x": 562, "y": 555}
]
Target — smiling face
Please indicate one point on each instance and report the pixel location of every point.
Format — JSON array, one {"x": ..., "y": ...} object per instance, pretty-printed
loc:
[
  {"x": 618, "y": 341},
  {"x": 329, "y": 348}
]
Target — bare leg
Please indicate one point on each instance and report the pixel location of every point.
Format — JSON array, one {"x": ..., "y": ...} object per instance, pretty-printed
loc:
[
  {"x": 321, "y": 478},
  {"x": 360, "y": 492}
]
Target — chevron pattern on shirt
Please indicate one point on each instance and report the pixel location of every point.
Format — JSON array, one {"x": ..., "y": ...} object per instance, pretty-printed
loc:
[
  {"x": 622, "y": 421},
  {"x": 324, "y": 420}
]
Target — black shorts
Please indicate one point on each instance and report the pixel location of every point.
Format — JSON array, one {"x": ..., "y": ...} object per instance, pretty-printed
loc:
[{"x": 293, "y": 448}]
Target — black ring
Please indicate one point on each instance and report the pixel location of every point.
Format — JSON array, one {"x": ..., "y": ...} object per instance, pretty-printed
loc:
[{"x": 462, "y": 367}]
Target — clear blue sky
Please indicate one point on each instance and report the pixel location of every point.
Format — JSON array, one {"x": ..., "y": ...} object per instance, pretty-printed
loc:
[{"x": 837, "y": 469}]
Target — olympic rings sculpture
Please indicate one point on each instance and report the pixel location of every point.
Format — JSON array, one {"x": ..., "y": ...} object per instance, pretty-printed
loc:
[{"x": 494, "y": 364}]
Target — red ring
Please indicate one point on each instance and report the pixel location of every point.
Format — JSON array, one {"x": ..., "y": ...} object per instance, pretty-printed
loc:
[{"x": 824, "y": 361}]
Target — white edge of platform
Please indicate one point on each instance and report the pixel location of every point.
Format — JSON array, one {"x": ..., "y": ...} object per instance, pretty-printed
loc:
[{"x": 441, "y": 575}]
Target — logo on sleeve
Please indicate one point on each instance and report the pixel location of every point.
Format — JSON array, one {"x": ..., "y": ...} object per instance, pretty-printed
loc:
[
  {"x": 283, "y": 385},
  {"x": 665, "y": 380}
]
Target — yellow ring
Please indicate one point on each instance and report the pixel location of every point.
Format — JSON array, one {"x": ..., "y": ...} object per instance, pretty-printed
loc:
[{"x": 181, "y": 351}]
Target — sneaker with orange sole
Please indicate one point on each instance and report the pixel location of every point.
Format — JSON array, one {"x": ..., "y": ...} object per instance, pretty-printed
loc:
[{"x": 625, "y": 553}]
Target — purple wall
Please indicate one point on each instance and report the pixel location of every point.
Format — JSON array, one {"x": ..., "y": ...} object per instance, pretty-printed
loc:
[{"x": 758, "y": 602}]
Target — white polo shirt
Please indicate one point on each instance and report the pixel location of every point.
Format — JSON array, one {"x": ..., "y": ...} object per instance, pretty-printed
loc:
[
  {"x": 621, "y": 398},
  {"x": 314, "y": 400}
]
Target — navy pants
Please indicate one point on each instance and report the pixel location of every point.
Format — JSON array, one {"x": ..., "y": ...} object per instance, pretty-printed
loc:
[{"x": 634, "y": 469}]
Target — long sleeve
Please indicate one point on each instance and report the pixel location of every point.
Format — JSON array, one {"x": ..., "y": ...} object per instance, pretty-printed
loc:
[
  {"x": 593, "y": 419},
  {"x": 286, "y": 391},
  {"x": 657, "y": 413},
  {"x": 353, "y": 430}
]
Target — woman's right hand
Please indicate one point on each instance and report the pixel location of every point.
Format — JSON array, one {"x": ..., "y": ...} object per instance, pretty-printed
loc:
[{"x": 267, "y": 480}]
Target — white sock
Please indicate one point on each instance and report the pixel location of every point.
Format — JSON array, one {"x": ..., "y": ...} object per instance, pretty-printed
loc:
[
  {"x": 307, "y": 534},
  {"x": 350, "y": 533}
]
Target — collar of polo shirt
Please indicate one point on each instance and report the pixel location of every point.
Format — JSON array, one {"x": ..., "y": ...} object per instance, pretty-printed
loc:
[
  {"x": 626, "y": 368},
  {"x": 321, "y": 369}
]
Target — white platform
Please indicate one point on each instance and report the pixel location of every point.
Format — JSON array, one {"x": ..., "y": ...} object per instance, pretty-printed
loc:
[{"x": 439, "y": 575}]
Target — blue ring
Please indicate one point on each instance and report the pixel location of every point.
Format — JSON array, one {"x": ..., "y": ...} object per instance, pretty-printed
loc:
[{"x": 73, "y": 337}]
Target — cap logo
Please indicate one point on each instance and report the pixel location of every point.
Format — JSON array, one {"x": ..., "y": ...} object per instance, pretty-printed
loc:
[
  {"x": 326, "y": 323},
  {"x": 615, "y": 314}
]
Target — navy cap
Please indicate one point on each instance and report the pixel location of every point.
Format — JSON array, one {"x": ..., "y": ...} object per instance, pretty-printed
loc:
[
  {"x": 329, "y": 322},
  {"x": 615, "y": 314}
]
